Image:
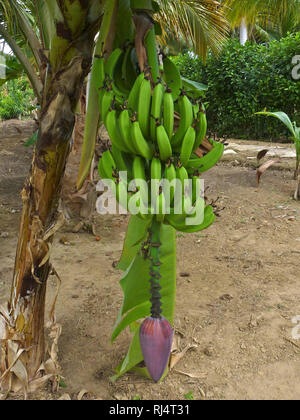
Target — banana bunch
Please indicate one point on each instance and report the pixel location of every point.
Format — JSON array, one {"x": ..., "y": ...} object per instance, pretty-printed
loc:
[{"x": 155, "y": 128}]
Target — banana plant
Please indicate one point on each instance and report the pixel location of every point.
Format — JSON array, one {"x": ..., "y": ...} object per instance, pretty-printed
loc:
[
  {"x": 147, "y": 144},
  {"x": 61, "y": 40},
  {"x": 295, "y": 132}
]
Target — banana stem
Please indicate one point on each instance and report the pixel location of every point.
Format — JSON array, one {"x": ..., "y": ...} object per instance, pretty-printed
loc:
[
  {"x": 155, "y": 275},
  {"x": 93, "y": 113}
]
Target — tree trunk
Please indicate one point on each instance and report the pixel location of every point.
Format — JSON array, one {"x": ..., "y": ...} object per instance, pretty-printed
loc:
[
  {"x": 243, "y": 32},
  {"x": 22, "y": 324}
]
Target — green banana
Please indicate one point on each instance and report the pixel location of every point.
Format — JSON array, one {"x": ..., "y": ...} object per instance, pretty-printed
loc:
[
  {"x": 182, "y": 175},
  {"x": 142, "y": 147},
  {"x": 124, "y": 124},
  {"x": 172, "y": 77},
  {"x": 196, "y": 109},
  {"x": 139, "y": 173},
  {"x": 156, "y": 108},
  {"x": 113, "y": 63},
  {"x": 138, "y": 168},
  {"x": 152, "y": 57},
  {"x": 163, "y": 141},
  {"x": 187, "y": 146},
  {"x": 170, "y": 175},
  {"x": 119, "y": 158},
  {"x": 111, "y": 124},
  {"x": 201, "y": 127},
  {"x": 144, "y": 107},
  {"x": 168, "y": 113},
  {"x": 118, "y": 82},
  {"x": 128, "y": 72},
  {"x": 107, "y": 166},
  {"x": 156, "y": 169},
  {"x": 133, "y": 98},
  {"x": 106, "y": 99},
  {"x": 208, "y": 161},
  {"x": 122, "y": 195},
  {"x": 209, "y": 218},
  {"x": 186, "y": 120}
]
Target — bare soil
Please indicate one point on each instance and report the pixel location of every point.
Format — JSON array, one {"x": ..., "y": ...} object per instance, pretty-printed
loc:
[{"x": 238, "y": 291}]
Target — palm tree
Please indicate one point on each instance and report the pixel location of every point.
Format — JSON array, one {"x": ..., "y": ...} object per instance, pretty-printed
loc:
[
  {"x": 268, "y": 16},
  {"x": 54, "y": 41}
]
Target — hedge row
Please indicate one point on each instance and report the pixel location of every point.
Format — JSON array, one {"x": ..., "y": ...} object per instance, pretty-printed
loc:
[{"x": 246, "y": 79}]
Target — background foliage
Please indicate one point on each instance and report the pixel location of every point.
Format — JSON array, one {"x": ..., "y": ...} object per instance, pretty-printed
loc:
[
  {"x": 246, "y": 79},
  {"x": 16, "y": 99}
]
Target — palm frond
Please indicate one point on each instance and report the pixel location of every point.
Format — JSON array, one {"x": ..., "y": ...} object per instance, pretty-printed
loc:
[
  {"x": 268, "y": 14},
  {"x": 201, "y": 23}
]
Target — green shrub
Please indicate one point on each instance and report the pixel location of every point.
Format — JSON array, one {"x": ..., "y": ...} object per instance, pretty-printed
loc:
[
  {"x": 16, "y": 99},
  {"x": 246, "y": 79}
]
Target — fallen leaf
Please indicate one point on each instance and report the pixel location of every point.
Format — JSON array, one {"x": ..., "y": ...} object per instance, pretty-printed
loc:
[
  {"x": 261, "y": 154},
  {"x": 191, "y": 375},
  {"x": 262, "y": 169},
  {"x": 176, "y": 357},
  {"x": 82, "y": 394},
  {"x": 65, "y": 397},
  {"x": 64, "y": 241}
]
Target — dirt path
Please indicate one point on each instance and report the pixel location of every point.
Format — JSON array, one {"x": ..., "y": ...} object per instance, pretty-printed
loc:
[{"x": 235, "y": 307}]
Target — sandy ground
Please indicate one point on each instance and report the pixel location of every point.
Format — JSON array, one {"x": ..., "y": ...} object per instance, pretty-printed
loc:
[{"x": 235, "y": 302}]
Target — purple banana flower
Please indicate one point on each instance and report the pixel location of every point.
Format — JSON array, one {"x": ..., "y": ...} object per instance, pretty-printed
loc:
[{"x": 156, "y": 336}]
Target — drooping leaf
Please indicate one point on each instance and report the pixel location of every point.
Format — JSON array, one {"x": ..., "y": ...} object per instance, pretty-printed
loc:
[
  {"x": 136, "y": 234},
  {"x": 193, "y": 88},
  {"x": 283, "y": 117}
]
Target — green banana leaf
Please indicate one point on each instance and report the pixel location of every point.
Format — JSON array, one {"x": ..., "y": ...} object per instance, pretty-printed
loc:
[
  {"x": 136, "y": 287},
  {"x": 283, "y": 117},
  {"x": 10, "y": 68},
  {"x": 194, "y": 89},
  {"x": 136, "y": 234}
]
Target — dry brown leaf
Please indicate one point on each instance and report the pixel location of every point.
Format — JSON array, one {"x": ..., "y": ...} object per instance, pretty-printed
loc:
[
  {"x": 262, "y": 169},
  {"x": 207, "y": 145},
  {"x": 82, "y": 394},
  {"x": 261, "y": 154},
  {"x": 65, "y": 397},
  {"x": 176, "y": 357},
  {"x": 39, "y": 383},
  {"x": 191, "y": 375},
  {"x": 198, "y": 152}
]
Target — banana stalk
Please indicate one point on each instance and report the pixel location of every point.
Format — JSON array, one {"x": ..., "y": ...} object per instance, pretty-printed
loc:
[{"x": 93, "y": 113}]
